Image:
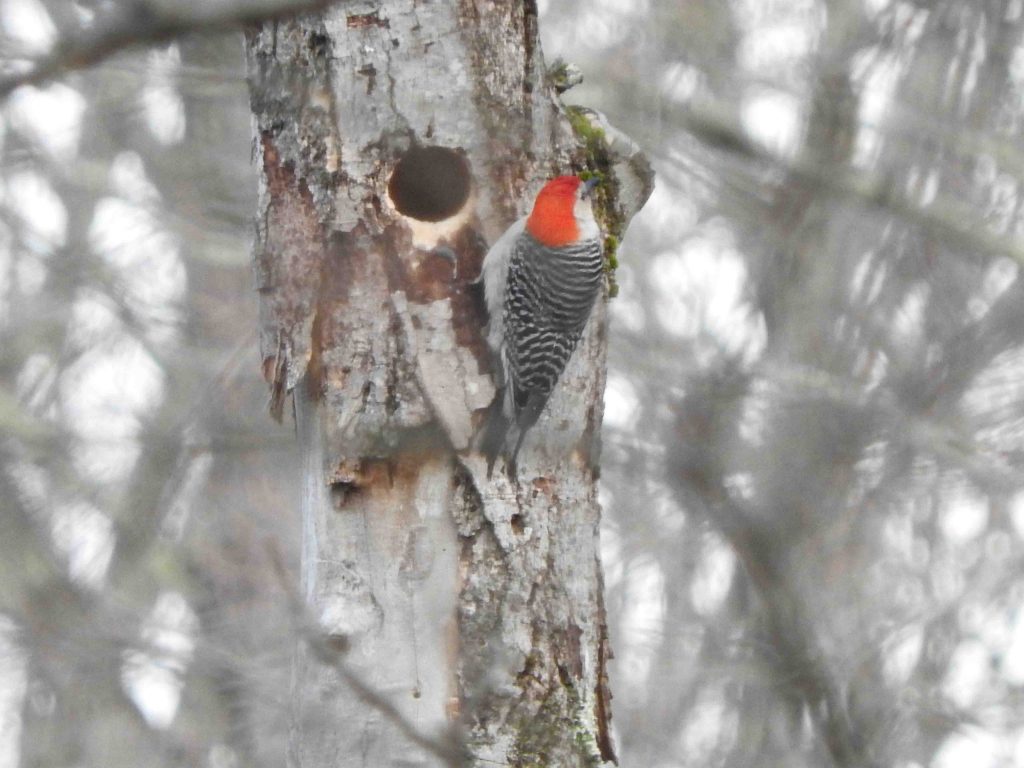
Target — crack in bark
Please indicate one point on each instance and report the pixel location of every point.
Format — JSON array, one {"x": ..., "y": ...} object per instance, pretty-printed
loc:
[
  {"x": 391, "y": 400},
  {"x": 284, "y": 276},
  {"x": 371, "y": 19},
  {"x": 530, "y": 34},
  {"x": 602, "y": 691}
]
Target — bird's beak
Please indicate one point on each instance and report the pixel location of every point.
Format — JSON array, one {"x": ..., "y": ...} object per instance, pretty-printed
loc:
[{"x": 588, "y": 187}]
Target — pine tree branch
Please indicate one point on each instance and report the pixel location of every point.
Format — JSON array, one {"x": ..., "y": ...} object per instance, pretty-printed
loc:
[{"x": 800, "y": 659}]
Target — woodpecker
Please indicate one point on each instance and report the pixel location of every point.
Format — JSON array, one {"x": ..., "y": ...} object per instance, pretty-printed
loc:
[{"x": 540, "y": 278}]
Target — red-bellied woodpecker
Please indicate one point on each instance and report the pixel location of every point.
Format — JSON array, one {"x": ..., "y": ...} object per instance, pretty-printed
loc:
[{"x": 541, "y": 278}]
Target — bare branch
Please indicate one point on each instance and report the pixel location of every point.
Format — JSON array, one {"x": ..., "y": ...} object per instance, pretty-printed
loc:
[
  {"x": 943, "y": 217},
  {"x": 144, "y": 23}
]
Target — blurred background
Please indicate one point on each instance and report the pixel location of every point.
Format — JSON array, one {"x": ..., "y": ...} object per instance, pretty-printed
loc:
[{"x": 814, "y": 439}]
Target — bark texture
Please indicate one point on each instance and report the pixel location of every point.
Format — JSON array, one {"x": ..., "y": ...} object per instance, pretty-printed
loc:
[{"x": 393, "y": 135}]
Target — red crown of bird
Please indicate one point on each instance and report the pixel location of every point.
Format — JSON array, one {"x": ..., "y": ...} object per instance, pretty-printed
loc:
[{"x": 552, "y": 221}]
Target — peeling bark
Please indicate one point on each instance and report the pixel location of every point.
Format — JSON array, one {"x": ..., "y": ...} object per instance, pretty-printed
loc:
[{"x": 467, "y": 601}]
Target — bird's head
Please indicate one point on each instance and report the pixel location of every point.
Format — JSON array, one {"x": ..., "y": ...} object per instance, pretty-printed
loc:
[{"x": 562, "y": 213}]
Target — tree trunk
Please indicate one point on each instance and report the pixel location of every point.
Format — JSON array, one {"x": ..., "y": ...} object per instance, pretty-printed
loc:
[{"x": 393, "y": 135}]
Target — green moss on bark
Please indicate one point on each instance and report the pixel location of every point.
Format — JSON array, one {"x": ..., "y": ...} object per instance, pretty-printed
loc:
[
  {"x": 597, "y": 163},
  {"x": 544, "y": 735}
]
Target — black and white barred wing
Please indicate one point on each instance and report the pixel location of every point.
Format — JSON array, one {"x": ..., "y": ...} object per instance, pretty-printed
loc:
[{"x": 549, "y": 295}]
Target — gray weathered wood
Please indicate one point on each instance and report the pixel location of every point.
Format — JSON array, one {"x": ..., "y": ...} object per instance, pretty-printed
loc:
[{"x": 466, "y": 601}]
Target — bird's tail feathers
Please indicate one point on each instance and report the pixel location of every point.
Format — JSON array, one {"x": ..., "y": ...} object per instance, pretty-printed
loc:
[
  {"x": 507, "y": 425},
  {"x": 526, "y": 417},
  {"x": 495, "y": 430}
]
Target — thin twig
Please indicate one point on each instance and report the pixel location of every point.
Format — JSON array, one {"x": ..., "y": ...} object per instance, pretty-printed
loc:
[
  {"x": 331, "y": 651},
  {"x": 145, "y": 23}
]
